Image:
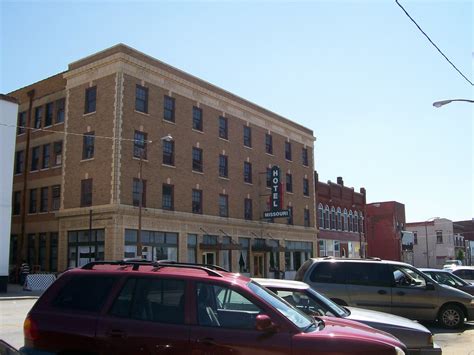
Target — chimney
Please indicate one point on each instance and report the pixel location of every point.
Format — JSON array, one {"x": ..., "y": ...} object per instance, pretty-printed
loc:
[{"x": 339, "y": 181}]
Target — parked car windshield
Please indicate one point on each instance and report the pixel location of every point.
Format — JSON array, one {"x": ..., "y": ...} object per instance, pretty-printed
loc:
[
  {"x": 298, "y": 318},
  {"x": 446, "y": 278},
  {"x": 331, "y": 306}
]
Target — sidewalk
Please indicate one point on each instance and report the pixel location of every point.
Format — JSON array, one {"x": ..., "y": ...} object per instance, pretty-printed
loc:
[{"x": 16, "y": 292}]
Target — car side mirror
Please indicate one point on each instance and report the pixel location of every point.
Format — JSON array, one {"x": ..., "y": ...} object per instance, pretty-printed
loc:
[
  {"x": 430, "y": 286},
  {"x": 263, "y": 323}
]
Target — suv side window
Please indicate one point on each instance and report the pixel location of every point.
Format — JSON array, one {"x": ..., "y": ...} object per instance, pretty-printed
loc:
[
  {"x": 156, "y": 300},
  {"x": 368, "y": 274},
  {"x": 329, "y": 272},
  {"x": 406, "y": 277},
  {"x": 85, "y": 293}
]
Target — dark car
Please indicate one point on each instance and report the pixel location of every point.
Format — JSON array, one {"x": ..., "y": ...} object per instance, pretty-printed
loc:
[
  {"x": 446, "y": 277},
  {"x": 147, "y": 308}
]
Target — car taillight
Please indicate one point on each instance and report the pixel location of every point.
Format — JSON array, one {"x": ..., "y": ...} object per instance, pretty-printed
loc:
[{"x": 30, "y": 329}]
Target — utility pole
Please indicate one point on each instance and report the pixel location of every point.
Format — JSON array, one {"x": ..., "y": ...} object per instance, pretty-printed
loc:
[
  {"x": 427, "y": 255},
  {"x": 140, "y": 202}
]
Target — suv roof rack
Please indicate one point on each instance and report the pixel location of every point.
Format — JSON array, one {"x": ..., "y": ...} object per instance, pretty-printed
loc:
[
  {"x": 343, "y": 258},
  {"x": 136, "y": 263}
]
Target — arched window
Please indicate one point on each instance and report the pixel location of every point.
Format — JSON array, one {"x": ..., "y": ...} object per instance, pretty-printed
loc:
[
  {"x": 350, "y": 221},
  {"x": 339, "y": 221},
  {"x": 333, "y": 218},
  {"x": 321, "y": 216},
  {"x": 361, "y": 223},
  {"x": 344, "y": 224},
  {"x": 326, "y": 217},
  {"x": 356, "y": 222}
]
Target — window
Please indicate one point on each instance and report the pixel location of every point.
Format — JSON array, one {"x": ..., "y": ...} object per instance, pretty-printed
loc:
[
  {"x": 290, "y": 217},
  {"x": 356, "y": 222},
  {"x": 60, "y": 110},
  {"x": 33, "y": 199},
  {"x": 84, "y": 247},
  {"x": 223, "y": 166},
  {"x": 248, "y": 172},
  {"x": 88, "y": 140},
  {"x": 248, "y": 214},
  {"x": 168, "y": 108},
  {"x": 223, "y": 205},
  {"x": 268, "y": 143},
  {"x": 58, "y": 153},
  {"x": 361, "y": 219},
  {"x": 19, "y": 161},
  {"x": 86, "y": 192},
  {"x": 139, "y": 145},
  {"x": 368, "y": 274},
  {"x": 55, "y": 197},
  {"x": 334, "y": 273},
  {"x": 139, "y": 192},
  {"x": 304, "y": 156},
  {"x": 156, "y": 245},
  {"x": 192, "y": 248},
  {"x": 35, "y": 153},
  {"x": 16, "y": 203},
  {"x": 223, "y": 130},
  {"x": 350, "y": 221},
  {"x": 141, "y": 99},
  {"x": 90, "y": 100},
  {"x": 46, "y": 156},
  {"x": 333, "y": 218},
  {"x": 439, "y": 237},
  {"x": 321, "y": 215},
  {"x": 197, "y": 159},
  {"x": 53, "y": 252},
  {"x": 21, "y": 123},
  {"x": 345, "y": 224},
  {"x": 197, "y": 201},
  {"x": 168, "y": 152},
  {"x": 327, "y": 217},
  {"x": 306, "y": 217},
  {"x": 247, "y": 136},
  {"x": 42, "y": 251},
  {"x": 289, "y": 183},
  {"x": 269, "y": 177},
  {"x": 288, "y": 151},
  {"x": 339, "y": 220},
  {"x": 296, "y": 254},
  {"x": 167, "y": 197},
  {"x": 44, "y": 199},
  {"x": 38, "y": 116},
  {"x": 48, "y": 119},
  {"x": 305, "y": 187},
  {"x": 406, "y": 277},
  {"x": 197, "y": 118}
]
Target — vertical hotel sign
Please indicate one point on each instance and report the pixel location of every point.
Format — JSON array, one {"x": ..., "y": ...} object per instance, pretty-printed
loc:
[{"x": 276, "y": 199}]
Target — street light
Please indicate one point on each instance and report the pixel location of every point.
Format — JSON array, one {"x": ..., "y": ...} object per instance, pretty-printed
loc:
[
  {"x": 426, "y": 239},
  {"x": 167, "y": 138},
  {"x": 438, "y": 104}
]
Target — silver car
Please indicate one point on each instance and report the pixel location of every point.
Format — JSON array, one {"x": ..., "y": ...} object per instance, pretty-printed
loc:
[
  {"x": 417, "y": 338},
  {"x": 446, "y": 277}
]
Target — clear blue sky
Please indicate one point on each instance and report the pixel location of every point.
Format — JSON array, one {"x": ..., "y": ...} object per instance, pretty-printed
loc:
[{"x": 358, "y": 73}]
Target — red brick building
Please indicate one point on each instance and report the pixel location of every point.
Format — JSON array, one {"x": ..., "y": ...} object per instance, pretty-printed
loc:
[{"x": 340, "y": 221}]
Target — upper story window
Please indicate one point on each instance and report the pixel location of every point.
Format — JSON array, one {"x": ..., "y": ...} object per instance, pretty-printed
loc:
[
  {"x": 247, "y": 136},
  {"x": 86, "y": 192},
  {"x": 306, "y": 218},
  {"x": 168, "y": 108},
  {"x": 333, "y": 218},
  {"x": 355, "y": 228},
  {"x": 223, "y": 166},
  {"x": 60, "y": 110},
  {"x": 327, "y": 217},
  {"x": 290, "y": 217},
  {"x": 288, "y": 151},
  {"x": 289, "y": 183},
  {"x": 167, "y": 197},
  {"x": 58, "y": 153},
  {"x": 268, "y": 143},
  {"x": 46, "y": 156},
  {"x": 168, "y": 152},
  {"x": 248, "y": 209},
  {"x": 339, "y": 219},
  {"x": 91, "y": 100},
  {"x": 439, "y": 237},
  {"x": 21, "y": 123},
  {"x": 197, "y": 201},
  {"x": 19, "y": 161},
  {"x": 139, "y": 192},
  {"x": 415, "y": 237},
  {"x": 33, "y": 201},
  {"x": 141, "y": 99},
  {"x": 16, "y": 205},
  {"x": 44, "y": 192},
  {"x": 361, "y": 225},
  {"x": 248, "y": 172},
  {"x": 223, "y": 129},
  {"x": 55, "y": 197},
  {"x": 139, "y": 145},
  {"x": 304, "y": 156},
  {"x": 48, "y": 119},
  {"x": 38, "y": 116},
  {"x": 197, "y": 159},
  {"x": 223, "y": 205},
  {"x": 350, "y": 221},
  {"x": 321, "y": 216},
  {"x": 197, "y": 118},
  {"x": 88, "y": 140},
  {"x": 35, "y": 157},
  {"x": 305, "y": 187},
  {"x": 345, "y": 225}
]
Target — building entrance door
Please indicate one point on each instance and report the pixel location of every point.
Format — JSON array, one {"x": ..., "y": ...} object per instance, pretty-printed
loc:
[
  {"x": 258, "y": 264},
  {"x": 209, "y": 257}
]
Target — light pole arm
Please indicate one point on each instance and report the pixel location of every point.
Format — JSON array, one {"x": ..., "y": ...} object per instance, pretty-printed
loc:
[{"x": 445, "y": 102}]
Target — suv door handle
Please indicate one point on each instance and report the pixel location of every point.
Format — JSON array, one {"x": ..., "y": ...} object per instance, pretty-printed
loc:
[
  {"x": 382, "y": 292},
  {"x": 206, "y": 341},
  {"x": 400, "y": 293},
  {"x": 117, "y": 333}
]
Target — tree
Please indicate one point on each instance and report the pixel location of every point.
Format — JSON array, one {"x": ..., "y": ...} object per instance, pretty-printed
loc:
[{"x": 460, "y": 255}]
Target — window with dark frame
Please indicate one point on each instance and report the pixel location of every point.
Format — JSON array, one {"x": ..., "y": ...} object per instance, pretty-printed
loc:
[
  {"x": 167, "y": 197},
  {"x": 16, "y": 203},
  {"x": 19, "y": 161},
  {"x": 288, "y": 151},
  {"x": 290, "y": 217},
  {"x": 46, "y": 156},
  {"x": 197, "y": 201},
  {"x": 197, "y": 118},
  {"x": 304, "y": 156},
  {"x": 32, "y": 208},
  {"x": 48, "y": 118},
  {"x": 58, "y": 153},
  {"x": 248, "y": 214},
  {"x": 248, "y": 172},
  {"x": 305, "y": 187},
  {"x": 269, "y": 177},
  {"x": 139, "y": 189},
  {"x": 141, "y": 99},
  {"x": 247, "y": 136},
  {"x": 223, "y": 166},
  {"x": 88, "y": 141},
  {"x": 197, "y": 159},
  {"x": 90, "y": 100},
  {"x": 21, "y": 123},
  {"x": 44, "y": 199},
  {"x": 289, "y": 183},
  {"x": 306, "y": 217},
  {"x": 139, "y": 145},
  {"x": 223, "y": 205},
  {"x": 55, "y": 197},
  {"x": 168, "y": 153},
  {"x": 35, "y": 157},
  {"x": 38, "y": 117},
  {"x": 439, "y": 237},
  {"x": 168, "y": 108},
  {"x": 60, "y": 110},
  {"x": 268, "y": 143},
  {"x": 223, "y": 129},
  {"x": 86, "y": 192}
]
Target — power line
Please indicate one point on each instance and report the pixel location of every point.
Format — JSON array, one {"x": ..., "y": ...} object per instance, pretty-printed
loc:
[{"x": 429, "y": 39}]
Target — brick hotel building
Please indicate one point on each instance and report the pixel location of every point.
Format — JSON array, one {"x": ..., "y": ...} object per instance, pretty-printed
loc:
[{"x": 204, "y": 155}]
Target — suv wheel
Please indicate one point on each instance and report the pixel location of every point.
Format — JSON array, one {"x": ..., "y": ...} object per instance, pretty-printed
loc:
[{"x": 451, "y": 316}]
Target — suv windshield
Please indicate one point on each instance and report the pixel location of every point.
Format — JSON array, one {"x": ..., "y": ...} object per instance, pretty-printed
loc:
[{"x": 298, "y": 318}]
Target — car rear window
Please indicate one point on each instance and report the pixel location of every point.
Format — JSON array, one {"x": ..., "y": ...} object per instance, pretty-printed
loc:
[
  {"x": 329, "y": 272},
  {"x": 84, "y": 293}
]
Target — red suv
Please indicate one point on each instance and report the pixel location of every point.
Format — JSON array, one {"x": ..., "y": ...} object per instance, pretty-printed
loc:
[{"x": 134, "y": 307}]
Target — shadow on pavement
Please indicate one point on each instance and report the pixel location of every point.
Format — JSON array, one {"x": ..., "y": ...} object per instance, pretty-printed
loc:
[{"x": 435, "y": 328}]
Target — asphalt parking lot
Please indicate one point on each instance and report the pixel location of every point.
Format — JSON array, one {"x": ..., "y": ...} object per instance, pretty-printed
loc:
[{"x": 13, "y": 313}]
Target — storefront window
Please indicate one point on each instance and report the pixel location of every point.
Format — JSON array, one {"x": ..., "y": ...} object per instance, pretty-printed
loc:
[
  {"x": 225, "y": 255},
  {"x": 297, "y": 253},
  {"x": 244, "y": 255},
  {"x": 84, "y": 248},
  {"x": 155, "y": 245},
  {"x": 192, "y": 245}
]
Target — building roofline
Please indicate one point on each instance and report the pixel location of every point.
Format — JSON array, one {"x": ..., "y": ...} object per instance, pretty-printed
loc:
[
  {"x": 11, "y": 99},
  {"x": 36, "y": 83}
]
